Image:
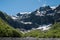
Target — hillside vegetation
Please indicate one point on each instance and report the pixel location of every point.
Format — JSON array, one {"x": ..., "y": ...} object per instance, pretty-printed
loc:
[
  {"x": 54, "y": 32},
  {"x": 6, "y": 30}
]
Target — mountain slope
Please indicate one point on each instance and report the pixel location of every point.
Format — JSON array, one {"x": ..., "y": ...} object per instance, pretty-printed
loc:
[
  {"x": 54, "y": 32},
  {"x": 5, "y": 29}
]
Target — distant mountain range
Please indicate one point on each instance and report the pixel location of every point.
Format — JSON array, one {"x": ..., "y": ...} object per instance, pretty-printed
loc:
[
  {"x": 42, "y": 16},
  {"x": 28, "y": 20}
]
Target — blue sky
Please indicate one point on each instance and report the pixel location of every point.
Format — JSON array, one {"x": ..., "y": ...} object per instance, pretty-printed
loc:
[{"x": 11, "y": 7}]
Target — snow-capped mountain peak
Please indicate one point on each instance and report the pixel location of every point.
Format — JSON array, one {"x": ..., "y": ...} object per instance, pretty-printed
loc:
[
  {"x": 53, "y": 7},
  {"x": 25, "y": 12}
]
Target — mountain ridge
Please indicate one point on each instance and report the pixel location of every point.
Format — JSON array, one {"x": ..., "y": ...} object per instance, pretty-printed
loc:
[{"x": 44, "y": 15}]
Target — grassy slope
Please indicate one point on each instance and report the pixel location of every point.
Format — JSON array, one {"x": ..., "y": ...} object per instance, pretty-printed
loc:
[
  {"x": 7, "y": 31},
  {"x": 54, "y": 32}
]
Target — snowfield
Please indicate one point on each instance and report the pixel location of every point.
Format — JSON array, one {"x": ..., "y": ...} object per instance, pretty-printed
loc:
[{"x": 45, "y": 27}]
